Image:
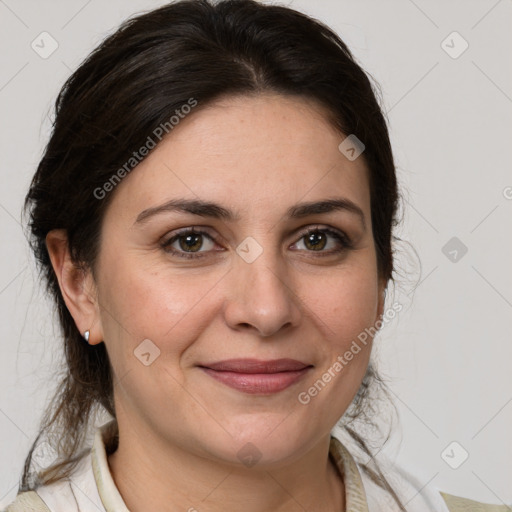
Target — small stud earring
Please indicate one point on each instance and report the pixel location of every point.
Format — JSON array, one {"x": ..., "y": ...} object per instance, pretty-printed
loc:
[{"x": 86, "y": 336}]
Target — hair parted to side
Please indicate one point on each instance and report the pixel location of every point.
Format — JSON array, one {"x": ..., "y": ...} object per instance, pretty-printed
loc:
[{"x": 131, "y": 84}]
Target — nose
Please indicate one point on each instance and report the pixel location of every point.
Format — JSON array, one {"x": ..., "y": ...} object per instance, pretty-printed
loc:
[{"x": 261, "y": 297}]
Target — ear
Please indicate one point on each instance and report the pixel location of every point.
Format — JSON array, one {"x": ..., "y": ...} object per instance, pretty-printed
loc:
[{"x": 76, "y": 285}]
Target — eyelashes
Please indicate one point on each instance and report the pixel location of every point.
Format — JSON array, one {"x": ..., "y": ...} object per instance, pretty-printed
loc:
[
  {"x": 190, "y": 239},
  {"x": 190, "y": 236}
]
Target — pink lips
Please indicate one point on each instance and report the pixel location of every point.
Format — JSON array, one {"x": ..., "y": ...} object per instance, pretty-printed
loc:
[{"x": 255, "y": 376}]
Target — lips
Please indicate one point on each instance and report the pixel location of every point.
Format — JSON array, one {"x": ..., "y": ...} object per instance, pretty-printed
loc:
[
  {"x": 257, "y": 366},
  {"x": 256, "y": 376}
]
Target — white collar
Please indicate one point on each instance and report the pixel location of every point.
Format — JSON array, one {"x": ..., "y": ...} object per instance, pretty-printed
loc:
[{"x": 108, "y": 491}]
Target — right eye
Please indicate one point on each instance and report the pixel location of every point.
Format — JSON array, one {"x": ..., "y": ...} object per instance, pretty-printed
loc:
[{"x": 188, "y": 242}]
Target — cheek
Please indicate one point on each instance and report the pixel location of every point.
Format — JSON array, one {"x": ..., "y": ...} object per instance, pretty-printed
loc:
[
  {"x": 165, "y": 307},
  {"x": 168, "y": 309},
  {"x": 344, "y": 304},
  {"x": 345, "y": 308}
]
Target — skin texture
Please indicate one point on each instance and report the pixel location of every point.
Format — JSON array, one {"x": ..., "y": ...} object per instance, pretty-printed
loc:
[{"x": 180, "y": 429}]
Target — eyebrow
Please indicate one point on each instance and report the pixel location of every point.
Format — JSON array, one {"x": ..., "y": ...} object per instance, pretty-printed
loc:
[{"x": 215, "y": 211}]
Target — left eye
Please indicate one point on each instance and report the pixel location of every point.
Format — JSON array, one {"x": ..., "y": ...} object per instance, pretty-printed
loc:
[{"x": 316, "y": 240}]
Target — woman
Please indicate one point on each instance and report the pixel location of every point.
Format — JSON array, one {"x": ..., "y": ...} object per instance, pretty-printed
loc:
[{"x": 213, "y": 215}]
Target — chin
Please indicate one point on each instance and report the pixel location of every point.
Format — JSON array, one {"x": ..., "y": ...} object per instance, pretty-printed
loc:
[{"x": 268, "y": 442}]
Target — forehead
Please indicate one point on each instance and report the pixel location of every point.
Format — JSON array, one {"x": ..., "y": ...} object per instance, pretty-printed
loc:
[{"x": 253, "y": 153}]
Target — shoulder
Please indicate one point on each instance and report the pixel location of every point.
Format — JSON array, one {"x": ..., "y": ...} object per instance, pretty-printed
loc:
[
  {"x": 421, "y": 497},
  {"x": 415, "y": 494},
  {"x": 28, "y": 501},
  {"x": 458, "y": 504},
  {"x": 55, "y": 497},
  {"x": 77, "y": 493}
]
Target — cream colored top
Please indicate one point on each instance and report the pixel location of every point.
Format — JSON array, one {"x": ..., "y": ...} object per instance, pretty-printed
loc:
[{"x": 91, "y": 488}]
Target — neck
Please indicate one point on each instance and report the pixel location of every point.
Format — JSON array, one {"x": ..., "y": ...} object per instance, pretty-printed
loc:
[{"x": 154, "y": 476}]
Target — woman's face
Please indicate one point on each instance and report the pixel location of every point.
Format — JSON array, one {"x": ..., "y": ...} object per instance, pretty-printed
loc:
[{"x": 249, "y": 284}]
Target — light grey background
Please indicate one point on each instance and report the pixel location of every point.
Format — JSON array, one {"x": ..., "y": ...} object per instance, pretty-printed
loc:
[{"x": 449, "y": 351}]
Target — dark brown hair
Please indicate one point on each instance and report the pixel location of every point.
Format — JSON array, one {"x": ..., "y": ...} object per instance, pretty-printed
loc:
[{"x": 127, "y": 87}]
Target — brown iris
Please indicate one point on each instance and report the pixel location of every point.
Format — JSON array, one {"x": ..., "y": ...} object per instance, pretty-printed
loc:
[
  {"x": 192, "y": 242},
  {"x": 317, "y": 240}
]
